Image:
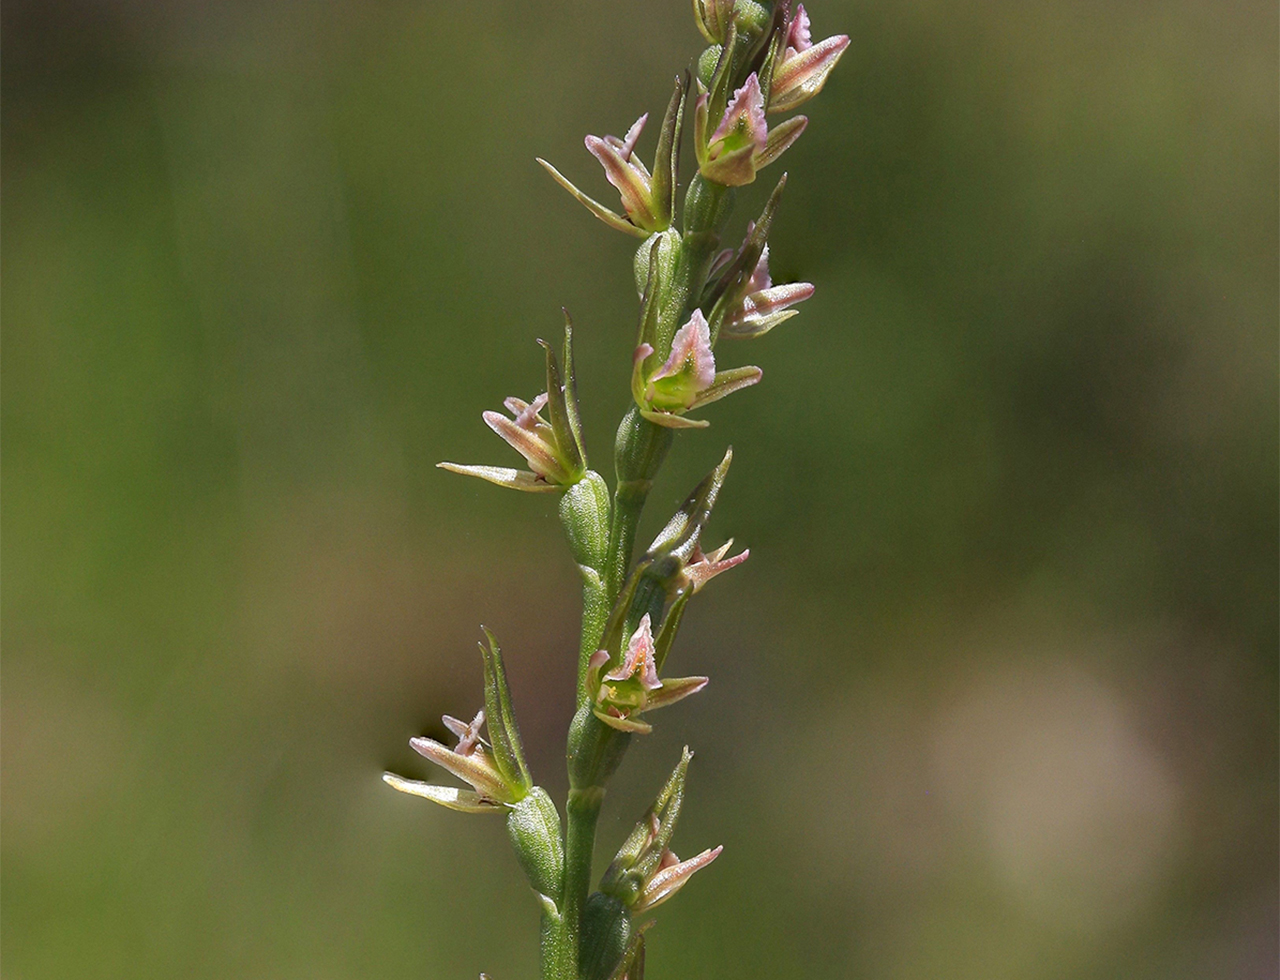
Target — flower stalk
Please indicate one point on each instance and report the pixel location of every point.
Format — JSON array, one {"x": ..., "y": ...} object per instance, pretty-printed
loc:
[{"x": 692, "y": 292}]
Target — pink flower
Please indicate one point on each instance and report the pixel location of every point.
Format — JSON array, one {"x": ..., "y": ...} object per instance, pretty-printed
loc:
[
  {"x": 764, "y": 305},
  {"x": 804, "y": 66},
  {"x": 741, "y": 143},
  {"x": 633, "y": 687}
]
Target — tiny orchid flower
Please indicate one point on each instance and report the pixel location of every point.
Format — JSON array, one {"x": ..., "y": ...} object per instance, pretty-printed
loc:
[
  {"x": 495, "y": 769},
  {"x": 647, "y": 198},
  {"x": 470, "y": 761},
  {"x": 532, "y": 437},
  {"x": 633, "y": 687},
  {"x": 741, "y": 143},
  {"x": 646, "y": 872},
  {"x": 765, "y": 305},
  {"x": 553, "y": 449},
  {"x": 804, "y": 66},
  {"x": 687, "y": 379},
  {"x": 625, "y": 171}
]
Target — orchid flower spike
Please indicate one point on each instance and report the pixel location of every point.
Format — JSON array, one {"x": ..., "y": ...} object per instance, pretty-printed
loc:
[
  {"x": 647, "y": 198},
  {"x": 741, "y": 142},
  {"x": 553, "y": 448},
  {"x": 619, "y": 696},
  {"x": 765, "y": 305},
  {"x": 804, "y": 66},
  {"x": 687, "y": 379}
]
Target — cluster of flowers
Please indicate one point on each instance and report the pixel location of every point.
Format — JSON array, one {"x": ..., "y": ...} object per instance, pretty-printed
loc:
[{"x": 760, "y": 60}]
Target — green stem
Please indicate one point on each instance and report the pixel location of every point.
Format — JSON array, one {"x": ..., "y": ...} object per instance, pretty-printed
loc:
[
  {"x": 582, "y": 811},
  {"x": 594, "y": 749}
]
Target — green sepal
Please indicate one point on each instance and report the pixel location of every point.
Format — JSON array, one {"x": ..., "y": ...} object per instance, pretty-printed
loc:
[
  {"x": 534, "y": 827},
  {"x": 615, "y": 628},
  {"x": 571, "y": 390},
  {"x": 726, "y": 382},
  {"x": 562, "y": 403},
  {"x": 606, "y": 936},
  {"x": 721, "y": 87},
  {"x": 584, "y": 513},
  {"x": 680, "y": 536},
  {"x": 670, "y": 626},
  {"x": 766, "y": 47},
  {"x": 666, "y": 161},
  {"x": 772, "y": 54},
  {"x": 508, "y": 751}
]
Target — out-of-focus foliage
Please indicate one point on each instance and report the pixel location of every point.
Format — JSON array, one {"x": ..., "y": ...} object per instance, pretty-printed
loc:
[{"x": 995, "y": 696}]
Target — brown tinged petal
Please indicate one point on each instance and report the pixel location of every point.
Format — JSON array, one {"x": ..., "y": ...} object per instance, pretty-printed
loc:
[
  {"x": 455, "y": 799},
  {"x": 504, "y": 476},
  {"x": 671, "y": 878},
  {"x": 477, "y": 768}
]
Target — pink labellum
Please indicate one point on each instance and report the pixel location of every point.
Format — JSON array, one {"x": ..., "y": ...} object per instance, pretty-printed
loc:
[
  {"x": 798, "y": 36},
  {"x": 744, "y": 116},
  {"x": 468, "y": 734},
  {"x": 639, "y": 657},
  {"x": 691, "y": 353}
]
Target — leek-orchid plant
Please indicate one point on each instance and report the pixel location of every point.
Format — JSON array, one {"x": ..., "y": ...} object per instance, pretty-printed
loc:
[{"x": 692, "y": 294}]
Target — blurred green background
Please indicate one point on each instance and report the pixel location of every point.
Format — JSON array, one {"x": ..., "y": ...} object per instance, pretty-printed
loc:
[{"x": 996, "y": 696}]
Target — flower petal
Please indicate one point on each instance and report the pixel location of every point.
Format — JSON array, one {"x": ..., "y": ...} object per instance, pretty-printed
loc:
[
  {"x": 780, "y": 138},
  {"x": 670, "y": 421},
  {"x": 727, "y": 382},
  {"x": 671, "y": 878},
  {"x": 630, "y": 183},
  {"x": 476, "y": 768},
  {"x": 529, "y": 444},
  {"x": 675, "y": 689},
  {"x": 744, "y": 116},
  {"x": 634, "y": 725},
  {"x": 504, "y": 476},
  {"x": 803, "y": 73},
  {"x": 615, "y": 221},
  {"x": 639, "y": 657},
  {"x": 452, "y": 797}
]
